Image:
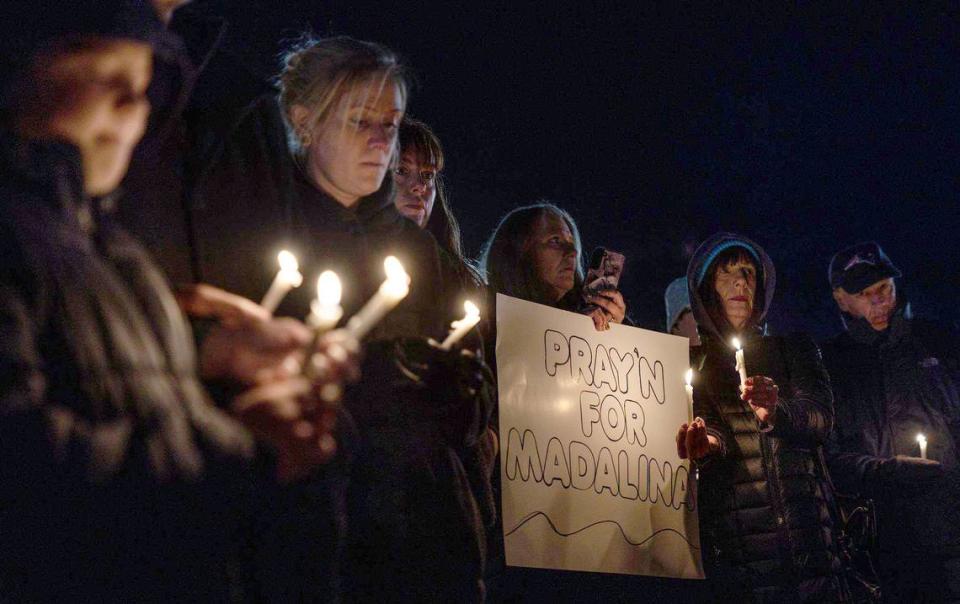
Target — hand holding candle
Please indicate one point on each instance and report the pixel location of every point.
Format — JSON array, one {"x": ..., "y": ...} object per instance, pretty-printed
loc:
[
  {"x": 461, "y": 327},
  {"x": 391, "y": 292},
  {"x": 287, "y": 278},
  {"x": 922, "y": 441}
]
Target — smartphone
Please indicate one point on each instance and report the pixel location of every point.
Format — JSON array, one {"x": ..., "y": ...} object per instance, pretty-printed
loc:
[{"x": 604, "y": 271}]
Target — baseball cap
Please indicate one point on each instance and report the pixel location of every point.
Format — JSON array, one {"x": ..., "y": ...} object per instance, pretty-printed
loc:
[{"x": 860, "y": 266}]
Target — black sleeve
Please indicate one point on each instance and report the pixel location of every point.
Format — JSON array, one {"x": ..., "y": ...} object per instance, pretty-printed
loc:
[
  {"x": 854, "y": 473},
  {"x": 807, "y": 415},
  {"x": 40, "y": 434},
  {"x": 705, "y": 408}
]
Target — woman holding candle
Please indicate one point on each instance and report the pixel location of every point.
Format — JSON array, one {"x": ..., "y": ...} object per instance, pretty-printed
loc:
[
  {"x": 415, "y": 533},
  {"x": 764, "y": 497},
  {"x": 421, "y": 197}
]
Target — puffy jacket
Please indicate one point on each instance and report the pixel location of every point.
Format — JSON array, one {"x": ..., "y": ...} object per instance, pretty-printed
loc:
[
  {"x": 764, "y": 502},
  {"x": 119, "y": 480},
  {"x": 889, "y": 386}
]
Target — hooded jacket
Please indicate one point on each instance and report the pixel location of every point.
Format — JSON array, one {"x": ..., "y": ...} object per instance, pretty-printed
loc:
[
  {"x": 119, "y": 480},
  {"x": 764, "y": 502},
  {"x": 889, "y": 386}
]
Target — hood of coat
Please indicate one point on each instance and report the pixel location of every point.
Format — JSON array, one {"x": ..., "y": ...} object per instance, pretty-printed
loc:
[{"x": 700, "y": 264}]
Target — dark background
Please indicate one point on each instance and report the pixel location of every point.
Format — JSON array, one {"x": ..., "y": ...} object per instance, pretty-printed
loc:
[{"x": 808, "y": 128}]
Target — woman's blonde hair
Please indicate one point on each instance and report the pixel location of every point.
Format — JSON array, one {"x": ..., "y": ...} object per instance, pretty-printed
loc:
[{"x": 319, "y": 73}]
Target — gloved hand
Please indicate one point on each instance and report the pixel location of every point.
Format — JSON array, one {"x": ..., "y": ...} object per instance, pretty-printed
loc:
[
  {"x": 909, "y": 473},
  {"x": 453, "y": 387}
]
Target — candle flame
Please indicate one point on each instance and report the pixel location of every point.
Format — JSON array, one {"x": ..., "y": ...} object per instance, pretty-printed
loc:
[
  {"x": 688, "y": 377},
  {"x": 921, "y": 439},
  {"x": 288, "y": 262},
  {"x": 394, "y": 270},
  {"x": 329, "y": 289},
  {"x": 471, "y": 309},
  {"x": 736, "y": 343}
]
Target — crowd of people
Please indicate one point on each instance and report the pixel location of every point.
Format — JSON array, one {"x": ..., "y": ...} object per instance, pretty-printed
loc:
[{"x": 182, "y": 442}]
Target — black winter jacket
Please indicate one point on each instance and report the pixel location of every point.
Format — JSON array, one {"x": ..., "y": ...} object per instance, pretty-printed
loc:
[
  {"x": 119, "y": 480},
  {"x": 764, "y": 502},
  {"x": 889, "y": 386}
]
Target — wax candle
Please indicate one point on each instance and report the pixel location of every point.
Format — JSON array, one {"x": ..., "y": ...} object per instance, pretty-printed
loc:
[
  {"x": 460, "y": 328},
  {"x": 325, "y": 310},
  {"x": 922, "y": 440},
  {"x": 287, "y": 278},
  {"x": 688, "y": 378},
  {"x": 741, "y": 364},
  {"x": 392, "y": 290}
]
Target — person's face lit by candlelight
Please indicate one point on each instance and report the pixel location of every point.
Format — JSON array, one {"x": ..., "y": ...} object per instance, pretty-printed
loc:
[
  {"x": 736, "y": 286},
  {"x": 875, "y": 303},
  {"x": 554, "y": 253},
  {"x": 416, "y": 180},
  {"x": 94, "y": 97},
  {"x": 348, "y": 153}
]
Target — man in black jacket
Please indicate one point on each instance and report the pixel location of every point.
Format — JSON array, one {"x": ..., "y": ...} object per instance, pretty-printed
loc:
[{"x": 895, "y": 381}]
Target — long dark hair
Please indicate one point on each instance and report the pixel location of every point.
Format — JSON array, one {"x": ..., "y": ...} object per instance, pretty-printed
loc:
[
  {"x": 712, "y": 302},
  {"x": 506, "y": 264},
  {"x": 416, "y": 136}
]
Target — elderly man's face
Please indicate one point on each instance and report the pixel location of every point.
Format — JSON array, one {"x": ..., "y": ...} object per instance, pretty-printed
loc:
[{"x": 874, "y": 303}]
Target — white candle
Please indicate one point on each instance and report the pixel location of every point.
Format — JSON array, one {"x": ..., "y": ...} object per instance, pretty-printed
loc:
[
  {"x": 287, "y": 278},
  {"x": 325, "y": 310},
  {"x": 741, "y": 364},
  {"x": 395, "y": 288},
  {"x": 922, "y": 440},
  {"x": 688, "y": 378},
  {"x": 460, "y": 328}
]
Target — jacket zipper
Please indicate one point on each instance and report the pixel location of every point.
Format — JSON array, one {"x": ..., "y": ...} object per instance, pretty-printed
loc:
[{"x": 773, "y": 492}]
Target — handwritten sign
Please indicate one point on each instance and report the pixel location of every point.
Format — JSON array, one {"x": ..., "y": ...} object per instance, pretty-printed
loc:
[{"x": 589, "y": 467}]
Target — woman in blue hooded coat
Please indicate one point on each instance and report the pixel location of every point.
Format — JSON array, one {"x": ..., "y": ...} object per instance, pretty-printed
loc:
[{"x": 765, "y": 499}]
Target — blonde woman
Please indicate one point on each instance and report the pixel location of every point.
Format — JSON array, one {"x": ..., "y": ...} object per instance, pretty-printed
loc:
[{"x": 415, "y": 532}]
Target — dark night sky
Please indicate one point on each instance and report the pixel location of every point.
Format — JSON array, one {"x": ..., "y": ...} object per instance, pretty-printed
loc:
[{"x": 806, "y": 128}]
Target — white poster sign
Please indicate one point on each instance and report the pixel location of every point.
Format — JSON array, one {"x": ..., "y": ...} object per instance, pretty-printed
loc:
[{"x": 589, "y": 467}]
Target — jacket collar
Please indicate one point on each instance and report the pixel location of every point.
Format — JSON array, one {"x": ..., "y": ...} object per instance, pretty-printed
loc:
[
  {"x": 374, "y": 208},
  {"x": 53, "y": 169}
]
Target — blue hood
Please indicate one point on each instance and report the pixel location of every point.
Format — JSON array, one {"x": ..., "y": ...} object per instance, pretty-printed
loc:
[{"x": 700, "y": 264}]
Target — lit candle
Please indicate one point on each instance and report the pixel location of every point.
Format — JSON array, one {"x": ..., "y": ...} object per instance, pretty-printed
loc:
[
  {"x": 325, "y": 310},
  {"x": 395, "y": 288},
  {"x": 287, "y": 278},
  {"x": 458, "y": 329},
  {"x": 741, "y": 364},
  {"x": 688, "y": 378},
  {"x": 922, "y": 440}
]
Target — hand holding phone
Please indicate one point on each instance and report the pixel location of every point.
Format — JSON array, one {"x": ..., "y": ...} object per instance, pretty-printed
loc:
[{"x": 601, "y": 297}]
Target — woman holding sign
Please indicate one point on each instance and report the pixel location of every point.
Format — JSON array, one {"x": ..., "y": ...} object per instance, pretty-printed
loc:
[
  {"x": 535, "y": 254},
  {"x": 763, "y": 414}
]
